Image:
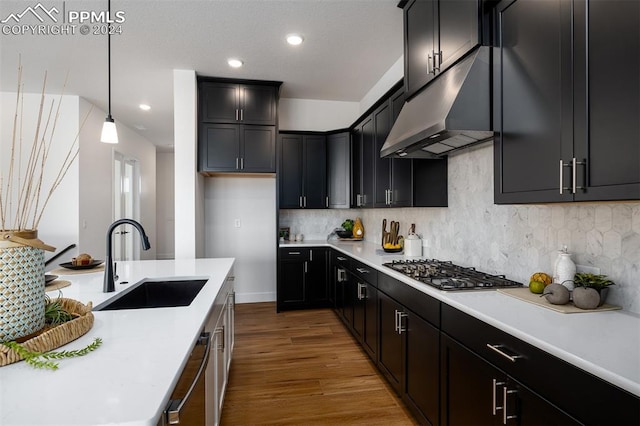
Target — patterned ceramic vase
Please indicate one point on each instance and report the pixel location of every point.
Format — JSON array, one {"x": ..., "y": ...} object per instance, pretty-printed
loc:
[{"x": 21, "y": 286}]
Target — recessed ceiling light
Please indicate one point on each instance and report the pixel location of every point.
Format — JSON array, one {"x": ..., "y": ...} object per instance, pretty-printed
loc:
[
  {"x": 294, "y": 39},
  {"x": 144, "y": 107},
  {"x": 235, "y": 63}
]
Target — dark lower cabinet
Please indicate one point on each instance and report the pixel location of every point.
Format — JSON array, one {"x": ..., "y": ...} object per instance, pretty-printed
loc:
[
  {"x": 409, "y": 358},
  {"x": 302, "y": 278},
  {"x": 476, "y": 393},
  {"x": 365, "y": 315}
]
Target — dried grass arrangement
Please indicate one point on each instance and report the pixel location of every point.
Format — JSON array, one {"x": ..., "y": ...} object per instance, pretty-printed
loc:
[{"x": 24, "y": 192}]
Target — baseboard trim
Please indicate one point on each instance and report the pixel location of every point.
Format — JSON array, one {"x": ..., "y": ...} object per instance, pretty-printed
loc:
[{"x": 255, "y": 297}]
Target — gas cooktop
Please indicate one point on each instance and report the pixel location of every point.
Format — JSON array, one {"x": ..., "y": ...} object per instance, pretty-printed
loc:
[{"x": 448, "y": 276}]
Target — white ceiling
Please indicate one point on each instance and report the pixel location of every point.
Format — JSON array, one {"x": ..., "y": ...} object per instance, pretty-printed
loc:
[{"x": 349, "y": 45}]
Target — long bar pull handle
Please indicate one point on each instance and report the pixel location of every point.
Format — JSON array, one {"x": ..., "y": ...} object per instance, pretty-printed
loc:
[
  {"x": 176, "y": 405},
  {"x": 437, "y": 67},
  {"x": 294, "y": 252},
  {"x": 306, "y": 269},
  {"x": 327, "y": 201},
  {"x": 300, "y": 201},
  {"x": 429, "y": 63},
  {"x": 397, "y": 326},
  {"x": 341, "y": 259},
  {"x": 497, "y": 348},
  {"x": 237, "y": 116},
  {"x": 310, "y": 255},
  {"x": 237, "y": 163},
  {"x": 242, "y": 115},
  {"x": 495, "y": 385},
  {"x": 305, "y": 201},
  {"x": 390, "y": 199},
  {"x": 241, "y": 163},
  {"x": 362, "y": 270},
  {"x": 562, "y": 166},
  {"x": 575, "y": 165},
  {"x": 505, "y": 416},
  {"x": 401, "y": 327},
  {"x": 360, "y": 288}
]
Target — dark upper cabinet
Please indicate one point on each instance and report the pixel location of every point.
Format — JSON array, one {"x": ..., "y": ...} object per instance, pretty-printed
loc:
[
  {"x": 339, "y": 170},
  {"x": 566, "y": 124},
  {"x": 303, "y": 171},
  {"x": 607, "y": 99},
  {"x": 236, "y": 148},
  {"x": 436, "y": 34},
  {"x": 223, "y": 102},
  {"x": 237, "y": 132},
  {"x": 364, "y": 155}
]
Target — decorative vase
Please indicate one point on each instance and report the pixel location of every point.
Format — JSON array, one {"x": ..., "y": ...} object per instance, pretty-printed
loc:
[
  {"x": 564, "y": 270},
  {"x": 22, "y": 294},
  {"x": 358, "y": 229}
]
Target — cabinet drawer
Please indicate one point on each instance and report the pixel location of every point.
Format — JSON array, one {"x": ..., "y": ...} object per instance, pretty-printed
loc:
[
  {"x": 423, "y": 305},
  {"x": 589, "y": 399},
  {"x": 364, "y": 272},
  {"x": 302, "y": 253},
  {"x": 340, "y": 260}
]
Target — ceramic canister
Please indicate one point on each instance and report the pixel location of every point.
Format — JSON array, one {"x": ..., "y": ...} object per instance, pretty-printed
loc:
[{"x": 22, "y": 295}]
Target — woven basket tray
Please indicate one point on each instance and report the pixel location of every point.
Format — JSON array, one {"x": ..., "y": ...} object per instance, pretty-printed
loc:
[{"x": 50, "y": 338}]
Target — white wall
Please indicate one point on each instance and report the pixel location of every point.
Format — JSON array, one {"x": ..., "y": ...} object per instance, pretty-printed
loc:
[
  {"x": 189, "y": 184},
  {"x": 252, "y": 202},
  {"x": 316, "y": 115},
  {"x": 59, "y": 224},
  {"x": 96, "y": 182},
  {"x": 165, "y": 200},
  {"x": 386, "y": 82}
]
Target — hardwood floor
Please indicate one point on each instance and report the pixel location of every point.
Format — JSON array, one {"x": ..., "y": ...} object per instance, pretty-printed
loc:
[{"x": 303, "y": 367}]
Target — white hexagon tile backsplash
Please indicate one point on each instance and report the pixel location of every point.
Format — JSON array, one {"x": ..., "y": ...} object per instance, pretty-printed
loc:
[{"x": 515, "y": 240}]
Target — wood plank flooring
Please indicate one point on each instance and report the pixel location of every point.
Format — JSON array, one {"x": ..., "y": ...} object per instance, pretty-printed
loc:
[{"x": 303, "y": 367}]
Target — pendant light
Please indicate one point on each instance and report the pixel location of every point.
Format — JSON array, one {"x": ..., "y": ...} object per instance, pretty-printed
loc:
[{"x": 109, "y": 131}]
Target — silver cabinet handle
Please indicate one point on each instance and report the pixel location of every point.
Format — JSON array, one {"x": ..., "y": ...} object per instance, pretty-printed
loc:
[
  {"x": 390, "y": 199},
  {"x": 362, "y": 270},
  {"x": 327, "y": 201},
  {"x": 437, "y": 67},
  {"x": 294, "y": 253},
  {"x": 310, "y": 255},
  {"x": 497, "y": 348},
  {"x": 575, "y": 165},
  {"x": 237, "y": 163},
  {"x": 342, "y": 275},
  {"x": 495, "y": 385},
  {"x": 237, "y": 116},
  {"x": 359, "y": 291},
  {"x": 241, "y": 163},
  {"x": 242, "y": 115},
  {"x": 304, "y": 200},
  {"x": 397, "y": 324},
  {"x": 401, "y": 327},
  {"x": 358, "y": 200},
  {"x": 176, "y": 405},
  {"x": 306, "y": 269},
  {"x": 341, "y": 259},
  {"x": 429, "y": 63},
  {"x": 300, "y": 201},
  {"x": 505, "y": 416}
]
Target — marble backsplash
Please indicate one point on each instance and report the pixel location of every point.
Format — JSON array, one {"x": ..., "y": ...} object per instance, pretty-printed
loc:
[{"x": 515, "y": 240}]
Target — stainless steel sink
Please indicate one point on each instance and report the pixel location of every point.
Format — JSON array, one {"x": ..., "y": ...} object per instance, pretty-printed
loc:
[{"x": 150, "y": 293}]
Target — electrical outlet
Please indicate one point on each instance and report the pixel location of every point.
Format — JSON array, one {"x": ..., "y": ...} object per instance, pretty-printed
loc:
[
  {"x": 587, "y": 269},
  {"x": 237, "y": 223}
]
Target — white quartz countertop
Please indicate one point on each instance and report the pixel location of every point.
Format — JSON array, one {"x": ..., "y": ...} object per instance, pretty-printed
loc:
[
  {"x": 606, "y": 344},
  {"x": 127, "y": 380}
]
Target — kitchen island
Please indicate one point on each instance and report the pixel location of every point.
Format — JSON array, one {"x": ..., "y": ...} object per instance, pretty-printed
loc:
[
  {"x": 605, "y": 344},
  {"x": 128, "y": 380}
]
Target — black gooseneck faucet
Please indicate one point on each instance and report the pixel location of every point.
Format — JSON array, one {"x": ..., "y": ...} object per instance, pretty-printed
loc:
[{"x": 109, "y": 284}]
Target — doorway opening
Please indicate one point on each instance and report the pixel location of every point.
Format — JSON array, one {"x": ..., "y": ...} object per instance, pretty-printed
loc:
[{"x": 126, "y": 204}]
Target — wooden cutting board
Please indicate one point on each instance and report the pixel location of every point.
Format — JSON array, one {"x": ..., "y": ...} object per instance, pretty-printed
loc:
[{"x": 523, "y": 293}]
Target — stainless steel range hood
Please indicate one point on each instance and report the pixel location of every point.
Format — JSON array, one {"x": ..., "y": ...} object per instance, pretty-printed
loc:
[{"x": 452, "y": 112}]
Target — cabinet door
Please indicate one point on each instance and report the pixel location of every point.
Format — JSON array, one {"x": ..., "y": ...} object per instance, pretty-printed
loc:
[
  {"x": 368, "y": 152},
  {"x": 467, "y": 387},
  {"x": 382, "y": 166},
  {"x": 291, "y": 282},
  {"x": 338, "y": 170},
  {"x": 219, "y": 147},
  {"x": 356, "y": 290},
  {"x": 219, "y": 102},
  {"x": 421, "y": 390},
  {"x": 459, "y": 31},
  {"x": 401, "y": 182},
  {"x": 391, "y": 352},
  {"x": 258, "y": 104},
  {"x": 370, "y": 332},
  {"x": 532, "y": 100},
  {"x": 356, "y": 166},
  {"x": 607, "y": 99},
  {"x": 290, "y": 171},
  {"x": 258, "y": 149},
  {"x": 315, "y": 172},
  {"x": 419, "y": 41},
  {"x": 316, "y": 279}
]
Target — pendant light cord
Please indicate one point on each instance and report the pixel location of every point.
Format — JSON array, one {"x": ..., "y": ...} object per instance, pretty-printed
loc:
[{"x": 109, "y": 52}]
